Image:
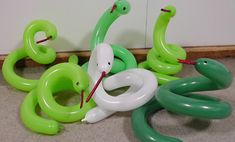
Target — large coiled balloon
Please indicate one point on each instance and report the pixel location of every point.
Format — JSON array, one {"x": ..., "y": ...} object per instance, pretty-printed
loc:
[
  {"x": 177, "y": 96},
  {"x": 39, "y": 53},
  {"x": 63, "y": 76}
]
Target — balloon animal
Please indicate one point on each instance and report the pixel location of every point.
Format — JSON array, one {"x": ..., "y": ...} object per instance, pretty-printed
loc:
[
  {"x": 176, "y": 97},
  {"x": 143, "y": 85},
  {"x": 39, "y": 53}
]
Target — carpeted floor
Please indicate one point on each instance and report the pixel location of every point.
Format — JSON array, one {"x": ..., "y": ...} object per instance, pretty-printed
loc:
[{"x": 118, "y": 127}]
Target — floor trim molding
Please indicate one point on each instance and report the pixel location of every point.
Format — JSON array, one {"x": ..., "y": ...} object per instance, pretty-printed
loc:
[{"x": 193, "y": 52}]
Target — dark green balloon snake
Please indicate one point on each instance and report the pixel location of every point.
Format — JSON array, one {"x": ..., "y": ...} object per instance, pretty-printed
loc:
[
  {"x": 124, "y": 59},
  {"x": 176, "y": 96}
]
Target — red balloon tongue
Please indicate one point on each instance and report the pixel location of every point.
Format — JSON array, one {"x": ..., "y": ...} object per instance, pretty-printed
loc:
[
  {"x": 188, "y": 62},
  {"x": 113, "y": 8},
  {"x": 43, "y": 40},
  {"x": 81, "y": 99},
  {"x": 165, "y": 10},
  {"x": 96, "y": 85}
]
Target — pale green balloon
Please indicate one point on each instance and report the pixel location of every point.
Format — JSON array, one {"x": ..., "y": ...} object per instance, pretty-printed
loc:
[
  {"x": 162, "y": 59},
  {"x": 39, "y": 53}
]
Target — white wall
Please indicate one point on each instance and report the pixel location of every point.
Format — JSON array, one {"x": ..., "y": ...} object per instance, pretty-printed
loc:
[{"x": 198, "y": 22}]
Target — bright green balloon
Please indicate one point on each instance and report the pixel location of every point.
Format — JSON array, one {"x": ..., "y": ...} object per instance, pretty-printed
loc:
[
  {"x": 162, "y": 59},
  {"x": 39, "y": 53},
  {"x": 64, "y": 76},
  {"x": 176, "y": 96},
  {"x": 34, "y": 122},
  {"x": 124, "y": 59}
]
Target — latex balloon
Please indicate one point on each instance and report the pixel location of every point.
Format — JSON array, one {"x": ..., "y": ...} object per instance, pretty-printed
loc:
[
  {"x": 64, "y": 76},
  {"x": 124, "y": 59},
  {"x": 143, "y": 85},
  {"x": 176, "y": 97},
  {"x": 39, "y": 53},
  {"x": 140, "y": 125},
  {"x": 162, "y": 59},
  {"x": 33, "y": 121}
]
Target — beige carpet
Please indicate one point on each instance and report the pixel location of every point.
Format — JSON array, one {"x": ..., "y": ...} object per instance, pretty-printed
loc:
[{"x": 118, "y": 127}]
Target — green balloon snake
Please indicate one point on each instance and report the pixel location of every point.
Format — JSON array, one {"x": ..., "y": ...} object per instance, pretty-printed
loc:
[
  {"x": 124, "y": 59},
  {"x": 177, "y": 96},
  {"x": 162, "y": 59},
  {"x": 63, "y": 76},
  {"x": 39, "y": 53}
]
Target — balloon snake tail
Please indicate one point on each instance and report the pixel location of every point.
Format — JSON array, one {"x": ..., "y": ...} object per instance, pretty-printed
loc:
[
  {"x": 177, "y": 96},
  {"x": 124, "y": 59},
  {"x": 162, "y": 59}
]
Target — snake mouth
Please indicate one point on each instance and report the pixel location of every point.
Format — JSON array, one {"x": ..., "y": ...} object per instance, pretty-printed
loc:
[
  {"x": 96, "y": 86},
  {"x": 113, "y": 8},
  {"x": 165, "y": 10},
  {"x": 188, "y": 62},
  {"x": 43, "y": 40}
]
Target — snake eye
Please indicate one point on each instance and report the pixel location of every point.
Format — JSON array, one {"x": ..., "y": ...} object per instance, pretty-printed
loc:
[
  {"x": 77, "y": 83},
  {"x": 124, "y": 8},
  {"x": 109, "y": 63},
  {"x": 97, "y": 64},
  {"x": 205, "y": 62}
]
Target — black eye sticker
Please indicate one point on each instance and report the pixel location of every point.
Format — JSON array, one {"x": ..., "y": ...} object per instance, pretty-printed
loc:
[
  {"x": 109, "y": 63},
  {"x": 77, "y": 83},
  {"x": 205, "y": 62},
  {"x": 124, "y": 8}
]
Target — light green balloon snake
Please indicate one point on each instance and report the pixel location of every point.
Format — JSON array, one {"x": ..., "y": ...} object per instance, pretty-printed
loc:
[
  {"x": 124, "y": 59},
  {"x": 63, "y": 76},
  {"x": 39, "y": 53},
  {"x": 162, "y": 59},
  {"x": 176, "y": 96}
]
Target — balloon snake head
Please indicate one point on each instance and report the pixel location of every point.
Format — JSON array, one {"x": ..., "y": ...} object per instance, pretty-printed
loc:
[
  {"x": 168, "y": 11},
  {"x": 121, "y": 6},
  {"x": 40, "y": 53},
  {"x": 212, "y": 69},
  {"x": 104, "y": 63},
  {"x": 80, "y": 84}
]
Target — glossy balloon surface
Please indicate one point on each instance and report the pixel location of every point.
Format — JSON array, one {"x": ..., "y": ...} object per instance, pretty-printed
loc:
[
  {"x": 143, "y": 85},
  {"x": 39, "y": 53},
  {"x": 64, "y": 76},
  {"x": 61, "y": 77},
  {"x": 177, "y": 96},
  {"x": 35, "y": 122},
  {"x": 124, "y": 59},
  {"x": 162, "y": 59}
]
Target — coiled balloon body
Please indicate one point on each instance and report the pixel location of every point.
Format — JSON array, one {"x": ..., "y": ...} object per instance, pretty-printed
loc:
[
  {"x": 177, "y": 96},
  {"x": 39, "y": 53},
  {"x": 63, "y": 76},
  {"x": 162, "y": 59}
]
